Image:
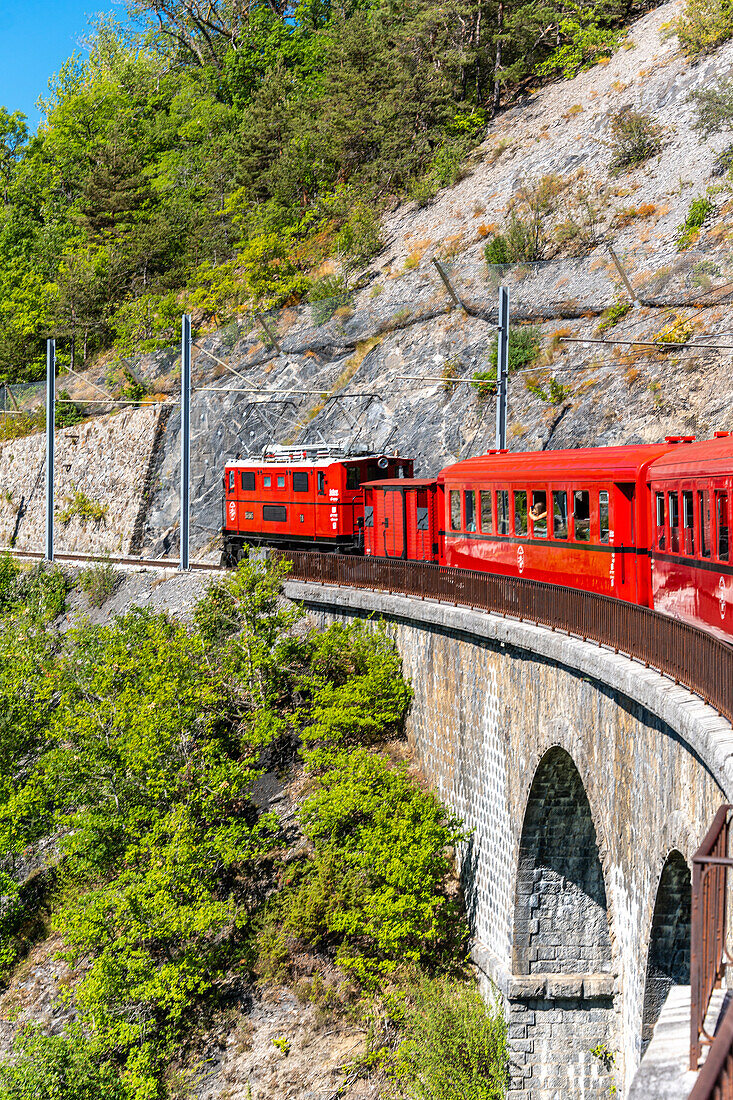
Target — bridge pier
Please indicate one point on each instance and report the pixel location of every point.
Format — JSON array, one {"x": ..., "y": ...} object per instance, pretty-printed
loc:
[{"x": 579, "y": 771}]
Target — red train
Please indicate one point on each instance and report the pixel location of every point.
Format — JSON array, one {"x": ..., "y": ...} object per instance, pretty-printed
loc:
[{"x": 648, "y": 524}]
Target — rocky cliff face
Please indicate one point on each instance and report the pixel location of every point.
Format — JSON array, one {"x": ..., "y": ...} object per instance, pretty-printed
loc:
[
  {"x": 373, "y": 375},
  {"x": 392, "y": 369}
]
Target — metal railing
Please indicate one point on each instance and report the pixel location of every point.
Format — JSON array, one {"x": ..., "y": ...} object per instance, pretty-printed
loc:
[
  {"x": 715, "y": 1081},
  {"x": 692, "y": 657},
  {"x": 708, "y": 954}
]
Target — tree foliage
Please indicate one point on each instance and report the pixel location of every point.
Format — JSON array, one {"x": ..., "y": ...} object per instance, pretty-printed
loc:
[
  {"x": 129, "y": 755},
  {"x": 204, "y": 155}
]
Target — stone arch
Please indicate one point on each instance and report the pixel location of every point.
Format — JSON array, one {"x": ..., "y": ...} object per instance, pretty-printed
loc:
[
  {"x": 561, "y": 912},
  {"x": 668, "y": 958},
  {"x": 561, "y": 1003}
]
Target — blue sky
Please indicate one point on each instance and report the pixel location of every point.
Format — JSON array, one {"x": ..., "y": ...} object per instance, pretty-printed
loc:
[{"x": 37, "y": 37}]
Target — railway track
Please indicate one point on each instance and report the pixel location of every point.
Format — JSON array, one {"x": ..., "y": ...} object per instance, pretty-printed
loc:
[{"x": 148, "y": 563}]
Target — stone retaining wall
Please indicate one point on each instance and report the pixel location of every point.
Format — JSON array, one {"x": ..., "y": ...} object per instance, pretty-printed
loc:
[{"x": 106, "y": 459}]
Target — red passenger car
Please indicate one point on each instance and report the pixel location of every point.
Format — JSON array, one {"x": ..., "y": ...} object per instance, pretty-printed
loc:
[
  {"x": 692, "y": 575},
  {"x": 577, "y": 518},
  {"x": 307, "y": 498},
  {"x": 401, "y": 520}
]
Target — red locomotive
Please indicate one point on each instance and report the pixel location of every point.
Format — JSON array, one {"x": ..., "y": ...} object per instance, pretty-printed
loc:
[
  {"x": 648, "y": 524},
  {"x": 301, "y": 498}
]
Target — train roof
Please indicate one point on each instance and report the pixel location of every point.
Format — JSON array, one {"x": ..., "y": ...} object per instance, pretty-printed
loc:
[
  {"x": 616, "y": 463},
  {"x": 709, "y": 456},
  {"x": 307, "y": 464},
  {"x": 400, "y": 483}
]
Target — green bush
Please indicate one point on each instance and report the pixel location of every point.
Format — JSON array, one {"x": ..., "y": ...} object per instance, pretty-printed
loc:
[
  {"x": 484, "y": 383},
  {"x": 348, "y": 666},
  {"x": 713, "y": 107},
  {"x": 84, "y": 508},
  {"x": 525, "y": 342},
  {"x": 422, "y": 190},
  {"x": 634, "y": 138},
  {"x": 496, "y": 250},
  {"x": 97, "y": 582},
  {"x": 613, "y": 314},
  {"x": 375, "y": 891},
  {"x": 704, "y": 25},
  {"x": 453, "y": 1045},
  {"x": 360, "y": 238},
  {"x": 700, "y": 210},
  {"x": 67, "y": 413},
  {"x": 588, "y": 38},
  {"x": 326, "y": 295},
  {"x": 59, "y": 1067},
  {"x": 270, "y": 274}
]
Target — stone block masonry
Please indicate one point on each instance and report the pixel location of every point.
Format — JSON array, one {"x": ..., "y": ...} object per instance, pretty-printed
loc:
[
  {"x": 581, "y": 776},
  {"x": 106, "y": 459}
]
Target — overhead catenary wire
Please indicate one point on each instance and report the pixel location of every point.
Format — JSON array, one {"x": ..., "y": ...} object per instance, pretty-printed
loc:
[{"x": 645, "y": 343}]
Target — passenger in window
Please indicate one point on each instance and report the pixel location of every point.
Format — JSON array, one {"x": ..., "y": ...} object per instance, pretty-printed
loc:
[{"x": 538, "y": 513}]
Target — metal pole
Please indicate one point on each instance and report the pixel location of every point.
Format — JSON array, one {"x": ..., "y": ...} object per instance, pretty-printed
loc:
[
  {"x": 456, "y": 300},
  {"x": 502, "y": 369},
  {"x": 185, "y": 438},
  {"x": 622, "y": 272},
  {"x": 50, "y": 440}
]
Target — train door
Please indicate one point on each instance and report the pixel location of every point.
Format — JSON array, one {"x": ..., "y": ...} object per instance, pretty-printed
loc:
[
  {"x": 419, "y": 525},
  {"x": 623, "y": 541},
  {"x": 391, "y": 537}
]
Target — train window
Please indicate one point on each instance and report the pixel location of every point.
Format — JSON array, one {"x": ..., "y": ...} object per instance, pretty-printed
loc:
[
  {"x": 661, "y": 523},
  {"x": 455, "y": 510},
  {"x": 321, "y": 483},
  {"x": 703, "y": 503},
  {"x": 368, "y": 515},
  {"x": 281, "y": 482},
  {"x": 300, "y": 482},
  {"x": 274, "y": 513},
  {"x": 721, "y": 515},
  {"x": 688, "y": 523},
  {"x": 603, "y": 516},
  {"x": 560, "y": 514},
  {"x": 469, "y": 504},
  {"x": 486, "y": 516},
  {"x": 423, "y": 518},
  {"x": 231, "y": 480},
  {"x": 502, "y": 512},
  {"x": 248, "y": 481},
  {"x": 267, "y": 481},
  {"x": 539, "y": 514},
  {"x": 581, "y": 515},
  {"x": 352, "y": 477},
  {"x": 674, "y": 523},
  {"x": 520, "y": 512}
]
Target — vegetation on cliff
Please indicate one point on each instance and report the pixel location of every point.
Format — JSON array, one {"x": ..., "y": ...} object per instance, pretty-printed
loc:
[
  {"x": 208, "y": 156},
  {"x": 130, "y": 757}
]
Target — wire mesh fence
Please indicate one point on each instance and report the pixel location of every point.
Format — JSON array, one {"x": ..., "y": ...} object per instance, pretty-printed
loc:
[{"x": 321, "y": 371}]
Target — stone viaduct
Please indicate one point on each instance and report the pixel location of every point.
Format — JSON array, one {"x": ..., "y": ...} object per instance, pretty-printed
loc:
[{"x": 587, "y": 781}]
